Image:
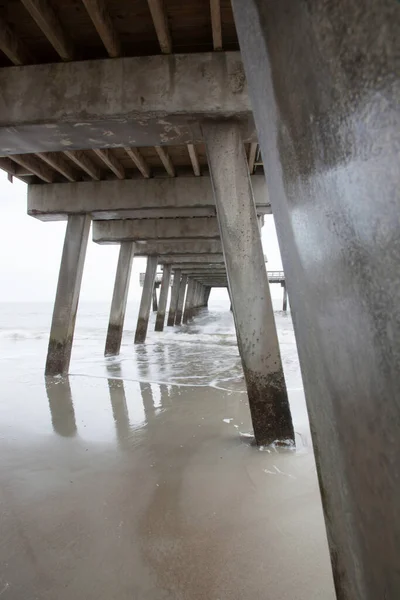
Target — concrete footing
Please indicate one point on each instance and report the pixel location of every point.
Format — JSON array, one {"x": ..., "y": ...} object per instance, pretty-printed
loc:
[
  {"x": 162, "y": 305},
  {"x": 174, "y": 298},
  {"x": 248, "y": 282},
  {"x": 145, "y": 303},
  {"x": 120, "y": 296},
  {"x": 181, "y": 300},
  {"x": 67, "y": 296}
]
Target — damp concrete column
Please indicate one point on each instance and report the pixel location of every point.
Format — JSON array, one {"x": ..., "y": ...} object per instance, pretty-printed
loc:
[
  {"x": 181, "y": 300},
  {"x": 174, "y": 298},
  {"x": 67, "y": 295},
  {"x": 162, "y": 305},
  {"x": 284, "y": 303},
  {"x": 324, "y": 84},
  {"x": 119, "y": 299},
  {"x": 187, "y": 313},
  {"x": 207, "y": 292},
  {"x": 248, "y": 284},
  {"x": 155, "y": 303},
  {"x": 145, "y": 303}
]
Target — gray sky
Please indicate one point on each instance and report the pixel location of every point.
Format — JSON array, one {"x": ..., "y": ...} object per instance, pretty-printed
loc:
[{"x": 30, "y": 253}]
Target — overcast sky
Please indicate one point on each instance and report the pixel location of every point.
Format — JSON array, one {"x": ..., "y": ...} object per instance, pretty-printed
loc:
[{"x": 30, "y": 253}]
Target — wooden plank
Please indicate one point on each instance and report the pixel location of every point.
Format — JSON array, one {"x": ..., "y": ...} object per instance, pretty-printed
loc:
[
  {"x": 35, "y": 166},
  {"x": 85, "y": 163},
  {"x": 139, "y": 161},
  {"x": 112, "y": 163},
  {"x": 252, "y": 157},
  {"x": 58, "y": 162},
  {"x": 215, "y": 8},
  {"x": 43, "y": 13},
  {"x": 194, "y": 159},
  {"x": 105, "y": 28},
  {"x": 166, "y": 160},
  {"x": 161, "y": 26},
  {"x": 12, "y": 46}
]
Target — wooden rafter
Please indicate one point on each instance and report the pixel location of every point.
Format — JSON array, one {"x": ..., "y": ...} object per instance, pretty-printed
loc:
[
  {"x": 112, "y": 163},
  {"x": 43, "y": 13},
  {"x": 159, "y": 16},
  {"x": 194, "y": 159},
  {"x": 166, "y": 160},
  {"x": 215, "y": 9},
  {"x": 60, "y": 164},
  {"x": 12, "y": 46},
  {"x": 252, "y": 157},
  {"x": 99, "y": 14},
  {"x": 139, "y": 161},
  {"x": 84, "y": 162},
  {"x": 35, "y": 166}
]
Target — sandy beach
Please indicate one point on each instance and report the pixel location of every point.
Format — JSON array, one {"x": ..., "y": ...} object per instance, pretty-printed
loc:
[{"x": 134, "y": 477}]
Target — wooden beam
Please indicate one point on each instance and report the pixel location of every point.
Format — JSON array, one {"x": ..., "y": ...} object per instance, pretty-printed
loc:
[
  {"x": 161, "y": 26},
  {"x": 35, "y": 166},
  {"x": 194, "y": 159},
  {"x": 112, "y": 163},
  {"x": 58, "y": 162},
  {"x": 105, "y": 28},
  {"x": 12, "y": 46},
  {"x": 252, "y": 157},
  {"x": 139, "y": 161},
  {"x": 215, "y": 8},
  {"x": 166, "y": 160},
  {"x": 84, "y": 162},
  {"x": 43, "y": 13}
]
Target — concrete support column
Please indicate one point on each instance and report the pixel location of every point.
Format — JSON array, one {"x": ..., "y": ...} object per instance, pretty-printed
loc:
[
  {"x": 248, "y": 284},
  {"x": 119, "y": 299},
  {"x": 284, "y": 304},
  {"x": 187, "y": 313},
  {"x": 145, "y": 303},
  {"x": 334, "y": 180},
  {"x": 155, "y": 303},
  {"x": 67, "y": 296},
  {"x": 207, "y": 292},
  {"x": 181, "y": 299},
  {"x": 162, "y": 305},
  {"x": 174, "y": 298}
]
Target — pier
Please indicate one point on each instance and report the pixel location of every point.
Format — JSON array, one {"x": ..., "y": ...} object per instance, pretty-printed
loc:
[{"x": 172, "y": 130}]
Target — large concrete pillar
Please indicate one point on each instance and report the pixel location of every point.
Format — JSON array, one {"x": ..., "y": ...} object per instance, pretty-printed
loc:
[
  {"x": 119, "y": 299},
  {"x": 174, "y": 298},
  {"x": 67, "y": 296},
  {"x": 187, "y": 313},
  {"x": 248, "y": 284},
  {"x": 145, "y": 303},
  {"x": 155, "y": 303},
  {"x": 324, "y": 84},
  {"x": 162, "y": 305},
  {"x": 207, "y": 292},
  {"x": 181, "y": 300},
  {"x": 284, "y": 303}
]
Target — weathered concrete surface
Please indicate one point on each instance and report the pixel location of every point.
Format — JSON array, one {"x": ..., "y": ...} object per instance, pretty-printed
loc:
[
  {"x": 162, "y": 305},
  {"x": 67, "y": 295},
  {"x": 133, "y": 198},
  {"x": 284, "y": 303},
  {"x": 178, "y": 247},
  {"x": 333, "y": 175},
  {"x": 120, "y": 296},
  {"x": 181, "y": 300},
  {"x": 155, "y": 301},
  {"x": 146, "y": 300},
  {"x": 248, "y": 283},
  {"x": 207, "y": 292},
  {"x": 187, "y": 312},
  {"x": 83, "y": 104},
  {"x": 183, "y": 259},
  {"x": 174, "y": 298},
  {"x": 154, "y": 229}
]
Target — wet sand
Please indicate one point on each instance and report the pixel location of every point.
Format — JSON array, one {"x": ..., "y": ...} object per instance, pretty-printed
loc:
[{"x": 117, "y": 489}]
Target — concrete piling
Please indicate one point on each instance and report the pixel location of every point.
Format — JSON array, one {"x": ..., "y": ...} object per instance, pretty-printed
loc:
[
  {"x": 155, "y": 302},
  {"x": 249, "y": 287},
  {"x": 145, "y": 303},
  {"x": 284, "y": 303},
  {"x": 67, "y": 295},
  {"x": 181, "y": 300},
  {"x": 119, "y": 299},
  {"x": 174, "y": 298},
  {"x": 162, "y": 305},
  {"x": 187, "y": 313}
]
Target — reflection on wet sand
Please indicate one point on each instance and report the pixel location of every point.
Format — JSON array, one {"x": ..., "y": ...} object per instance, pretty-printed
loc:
[{"x": 61, "y": 406}]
